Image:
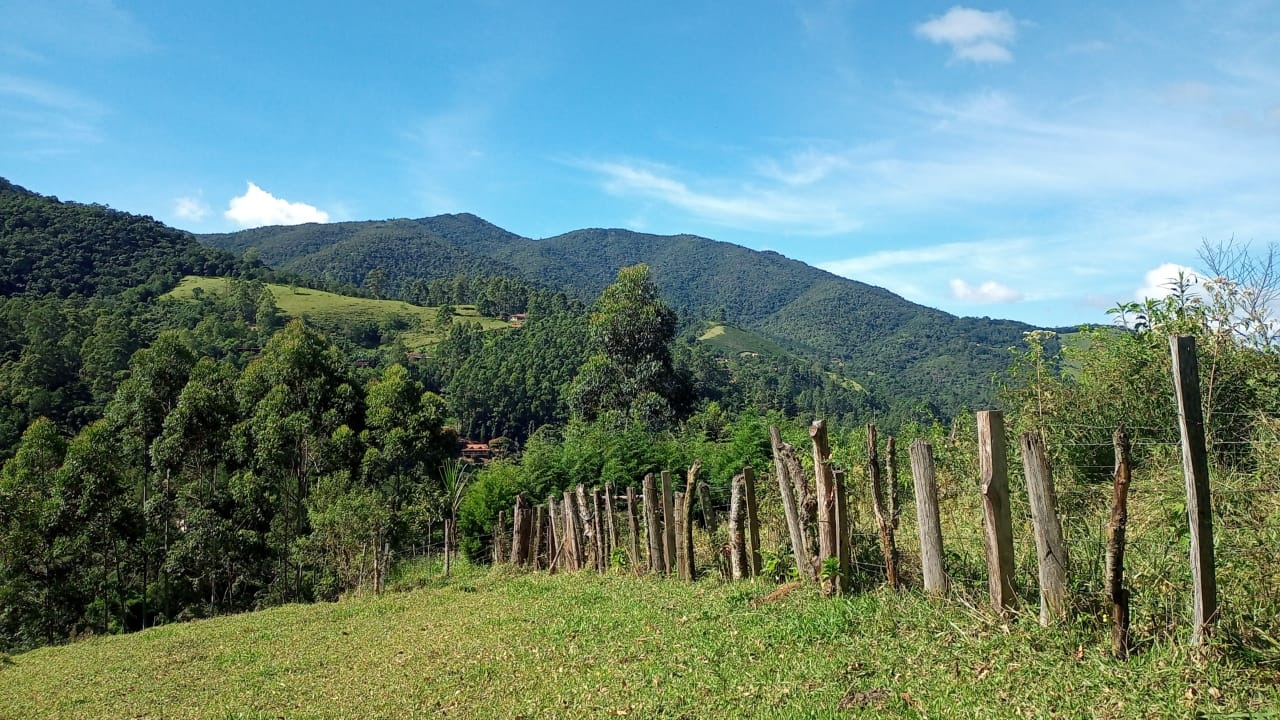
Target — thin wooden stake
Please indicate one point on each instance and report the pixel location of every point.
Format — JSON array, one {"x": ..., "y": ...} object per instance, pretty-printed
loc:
[
  {"x": 539, "y": 536},
  {"x": 668, "y": 526},
  {"x": 553, "y": 549},
  {"x": 799, "y": 544},
  {"x": 572, "y": 540},
  {"x": 682, "y": 547},
  {"x": 690, "y": 483},
  {"x": 587, "y": 556},
  {"x": 1051, "y": 549},
  {"x": 1116, "y": 590},
  {"x": 521, "y": 530},
  {"x": 498, "y": 555},
  {"x": 597, "y": 525},
  {"x": 738, "y": 566},
  {"x": 883, "y": 510},
  {"x": 926, "y": 491},
  {"x": 753, "y": 521},
  {"x": 1195, "y": 469},
  {"x": 998, "y": 525},
  {"x": 709, "y": 518},
  {"x": 824, "y": 480},
  {"x": 840, "y": 518},
  {"x": 611, "y": 536},
  {"x": 633, "y": 530}
]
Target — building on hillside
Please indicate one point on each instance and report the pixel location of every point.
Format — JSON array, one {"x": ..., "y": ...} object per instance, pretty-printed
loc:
[{"x": 476, "y": 452}]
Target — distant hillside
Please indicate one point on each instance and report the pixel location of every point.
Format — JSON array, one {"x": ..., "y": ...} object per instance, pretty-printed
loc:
[
  {"x": 48, "y": 246},
  {"x": 910, "y": 355}
]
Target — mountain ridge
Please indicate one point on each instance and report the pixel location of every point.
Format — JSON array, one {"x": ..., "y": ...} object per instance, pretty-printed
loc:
[{"x": 924, "y": 357}]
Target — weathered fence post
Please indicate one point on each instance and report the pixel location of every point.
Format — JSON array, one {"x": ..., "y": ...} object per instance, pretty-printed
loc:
[
  {"x": 840, "y": 518},
  {"x": 572, "y": 540},
  {"x": 633, "y": 528},
  {"x": 651, "y": 525},
  {"x": 690, "y": 485},
  {"x": 828, "y": 542},
  {"x": 521, "y": 530},
  {"x": 998, "y": 525},
  {"x": 587, "y": 544},
  {"x": 886, "y": 519},
  {"x": 1051, "y": 549},
  {"x": 668, "y": 525},
  {"x": 799, "y": 543},
  {"x": 498, "y": 556},
  {"x": 930, "y": 527},
  {"x": 539, "y": 536},
  {"x": 753, "y": 520},
  {"x": 611, "y": 537},
  {"x": 737, "y": 529},
  {"x": 597, "y": 523},
  {"x": 682, "y": 547},
  {"x": 1115, "y": 547},
  {"x": 555, "y": 544},
  {"x": 1195, "y": 469}
]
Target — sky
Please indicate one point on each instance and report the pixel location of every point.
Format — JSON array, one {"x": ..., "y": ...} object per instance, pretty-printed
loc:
[{"x": 1036, "y": 161}]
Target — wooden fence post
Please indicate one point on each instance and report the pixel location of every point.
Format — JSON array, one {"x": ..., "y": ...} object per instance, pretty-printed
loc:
[
  {"x": 668, "y": 525},
  {"x": 611, "y": 536},
  {"x": 753, "y": 520},
  {"x": 799, "y": 543},
  {"x": 840, "y": 519},
  {"x": 555, "y": 544},
  {"x": 682, "y": 548},
  {"x": 1051, "y": 549},
  {"x": 738, "y": 566},
  {"x": 633, "y": 528},
  {"x": 597, "y": 523},
  {"x": 498, "y": 556},
  {"x": 886, "y": 522},
  {"x": 651, "y": 525},
  {"x": 587, "y": 544},
  {"x": 926, "y": 492},
  {"x": 521, "y": 530},
  {"x": 690, "y": 489},
  {"x": 572, "y": 539},
  {"x": 539, "y": 535},
  {"x": 1115, "y": 547},
  {"x": 998, "y": 525},
  {"x": 1195, "y": 469},
  {"x": 828, "y": 544}
]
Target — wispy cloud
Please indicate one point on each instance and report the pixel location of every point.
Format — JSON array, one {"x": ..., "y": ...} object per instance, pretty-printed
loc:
[
  {"x": 43, "y": 118},
  {"x": 257, "y": 207},
  {"x": 974, "y": 35},
  {"x": 989, "y": 292},
  {"x": 193, "y": 209}
]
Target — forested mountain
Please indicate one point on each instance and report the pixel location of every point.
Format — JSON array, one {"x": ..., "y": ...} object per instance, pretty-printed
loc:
[
  {"x": 913, "y": 356},
  {"x": 61, "y": 248}
]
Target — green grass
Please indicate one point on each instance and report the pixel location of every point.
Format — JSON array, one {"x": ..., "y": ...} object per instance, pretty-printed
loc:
[
  {"x": 327, "y": 309},
  {"x": 733, "y": 340},
  {"x": 503, "y": 645}
]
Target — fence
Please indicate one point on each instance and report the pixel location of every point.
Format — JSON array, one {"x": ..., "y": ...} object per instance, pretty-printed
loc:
[{"x": 1138, "y": 549}]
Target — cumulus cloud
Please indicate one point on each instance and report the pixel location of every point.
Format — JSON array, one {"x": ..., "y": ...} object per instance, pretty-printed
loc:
[
  {"x": 988, "y": 292},
  {"x": 974, "y": 35},
  {"x": 1159, "y": 281},
  {"x": 191, "y": 208},
  {"x": 257, "y": 207}
]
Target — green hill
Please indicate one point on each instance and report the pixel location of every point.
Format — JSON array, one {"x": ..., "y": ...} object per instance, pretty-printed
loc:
[
  {"x": 730, "y": 340},
  {"x": 910, "y": 355},
  {"x": 48, "y": 246},
  {"x": 582, "y": 646}
]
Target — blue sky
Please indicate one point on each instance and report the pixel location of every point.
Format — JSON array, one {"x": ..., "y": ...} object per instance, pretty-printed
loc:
[{"x": 1036, "y": 161}]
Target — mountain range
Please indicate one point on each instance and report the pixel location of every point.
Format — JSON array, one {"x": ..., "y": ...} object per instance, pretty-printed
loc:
[{"x": 904, "y": 352}]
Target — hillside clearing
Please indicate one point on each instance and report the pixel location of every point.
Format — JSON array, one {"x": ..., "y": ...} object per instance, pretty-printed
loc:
[
  {"x": 327, "y": 309},
  {"x": 499, "y": 645}
]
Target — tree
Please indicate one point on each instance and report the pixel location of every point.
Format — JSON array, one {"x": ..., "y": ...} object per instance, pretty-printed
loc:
[{"x": 630, "y": 369}]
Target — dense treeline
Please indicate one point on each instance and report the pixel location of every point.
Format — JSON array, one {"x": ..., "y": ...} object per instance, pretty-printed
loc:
[{"x": 207, "y": 488}]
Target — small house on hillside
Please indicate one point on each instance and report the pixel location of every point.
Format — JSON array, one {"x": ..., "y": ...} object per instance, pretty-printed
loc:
[{"x": 476, "y": 452}]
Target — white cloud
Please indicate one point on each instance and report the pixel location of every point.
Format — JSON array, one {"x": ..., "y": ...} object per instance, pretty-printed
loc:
[
  {"x": 1158, "y": 282},
  {"x": 257, "y": 207},
  {"x": 986, "y": 293},
  {"x": 973, "y": 35},
  {"x": 191, "y": 208}
]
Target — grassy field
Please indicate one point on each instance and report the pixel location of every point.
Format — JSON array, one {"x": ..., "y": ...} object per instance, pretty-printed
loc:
[
  {"x": 329, "y": 309},
  {"x": 501, "y": 645},
  {"x": 729, "y": 339}
]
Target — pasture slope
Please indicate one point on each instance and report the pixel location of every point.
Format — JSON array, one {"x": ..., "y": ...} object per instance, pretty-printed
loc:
[{"x": 497, "y": 644}]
